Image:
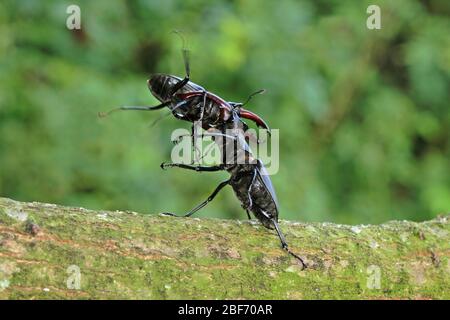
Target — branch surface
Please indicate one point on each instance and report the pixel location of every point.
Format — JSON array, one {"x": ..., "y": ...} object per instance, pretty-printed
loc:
[{"x": 49, "y": 251}]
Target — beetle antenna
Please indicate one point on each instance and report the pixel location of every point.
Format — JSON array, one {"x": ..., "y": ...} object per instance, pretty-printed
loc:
[
  {"x": 185, "y": 52},
  {"x": 261, "y": 91},
  {"x": 102, "y": 114}
]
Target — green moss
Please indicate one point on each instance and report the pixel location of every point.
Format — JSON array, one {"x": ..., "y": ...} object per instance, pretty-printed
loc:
[{"x": 124, "y": 255}]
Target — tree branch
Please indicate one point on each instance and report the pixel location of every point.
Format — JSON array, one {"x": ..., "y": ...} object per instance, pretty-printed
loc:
[{"x": 50, "y": 251}]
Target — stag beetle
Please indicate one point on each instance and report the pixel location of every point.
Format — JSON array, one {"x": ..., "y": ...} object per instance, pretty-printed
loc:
[{"x": 248, "y": 177}]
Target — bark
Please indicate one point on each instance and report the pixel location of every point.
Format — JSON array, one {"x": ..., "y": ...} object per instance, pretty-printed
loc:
[{"x": 49, "y": 251}]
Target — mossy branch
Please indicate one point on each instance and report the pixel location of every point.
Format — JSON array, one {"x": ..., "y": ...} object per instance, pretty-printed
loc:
[{"x": 50, "y": 251}]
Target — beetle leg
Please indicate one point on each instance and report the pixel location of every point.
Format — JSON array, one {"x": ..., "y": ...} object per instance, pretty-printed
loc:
[
  {"x": 142, "y": 108},
  {"x": 249, "y": 190},
  {"x": 207, "y": 150},
  {"x": 179, "y": 85},
  {"x": 202, "y": 112},
  {"x": 165, "y": 165},
  {"x": 202, "y": 109},
  {"x": 204, "y": 203},
  {"x": 284, "y": 244},
  {"x": 205, "y": 134},
  {"x": 180, "y": 137},
  {"x": 194, "y": 145},
  {"x": 172, "y": 110}
]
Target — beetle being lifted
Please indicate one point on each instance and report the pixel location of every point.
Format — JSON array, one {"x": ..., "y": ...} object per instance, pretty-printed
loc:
[
  {"x": 190, "y": 102},
  {"x": 248, "y": 177}
]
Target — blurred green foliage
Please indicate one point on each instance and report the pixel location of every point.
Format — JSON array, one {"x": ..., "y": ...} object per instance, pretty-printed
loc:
[{"x": 363, "y": 114}]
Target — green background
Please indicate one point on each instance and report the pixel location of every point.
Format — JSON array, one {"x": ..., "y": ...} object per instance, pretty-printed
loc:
[{"x": 363, "y": 114}]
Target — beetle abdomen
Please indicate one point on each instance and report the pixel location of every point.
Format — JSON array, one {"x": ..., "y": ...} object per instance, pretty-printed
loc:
[{"x": 254, "y": 196}]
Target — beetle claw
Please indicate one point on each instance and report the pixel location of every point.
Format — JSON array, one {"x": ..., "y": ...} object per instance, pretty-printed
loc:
[{"x": 168, "y": 214}]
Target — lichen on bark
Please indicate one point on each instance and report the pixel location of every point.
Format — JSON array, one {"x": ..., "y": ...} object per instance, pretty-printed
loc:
[{"x": 49, "y": 251}]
